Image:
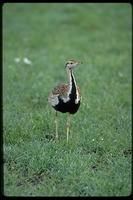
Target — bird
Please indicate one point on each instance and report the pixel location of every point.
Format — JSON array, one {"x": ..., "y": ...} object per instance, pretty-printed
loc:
[{"x": 66, "y": 97}]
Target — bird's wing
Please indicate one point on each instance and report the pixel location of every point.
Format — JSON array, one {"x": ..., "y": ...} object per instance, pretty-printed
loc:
[
  {"x": 79, "y": 96},
  {"x": 59, "y": 92},
  {"x": 79, "y": 91}
]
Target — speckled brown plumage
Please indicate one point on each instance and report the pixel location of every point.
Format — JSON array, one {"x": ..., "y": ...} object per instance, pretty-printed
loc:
[{"x": 61, "y": 89}]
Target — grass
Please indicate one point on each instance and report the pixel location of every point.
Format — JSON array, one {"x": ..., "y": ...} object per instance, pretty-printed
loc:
[{"x": 97, "y": 159}]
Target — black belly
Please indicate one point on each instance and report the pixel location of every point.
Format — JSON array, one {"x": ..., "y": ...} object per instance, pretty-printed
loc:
[{"x": 69, "y": 106}]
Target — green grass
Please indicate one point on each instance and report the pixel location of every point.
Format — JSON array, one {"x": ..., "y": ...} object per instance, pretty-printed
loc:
[{"x": 97, "y": 159}]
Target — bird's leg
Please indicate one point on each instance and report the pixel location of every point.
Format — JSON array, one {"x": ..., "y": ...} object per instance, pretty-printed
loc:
[
  {"x": 56, "y": 121},
  {"x": 68, "y": 126}
]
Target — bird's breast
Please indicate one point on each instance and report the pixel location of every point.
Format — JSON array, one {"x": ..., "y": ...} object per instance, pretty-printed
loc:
[
  {"x": 68, "y": 106},
  {"x": 65, "y": 98}
]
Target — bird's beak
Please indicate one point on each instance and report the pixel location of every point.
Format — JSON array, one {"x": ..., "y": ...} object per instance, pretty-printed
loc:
[{"x": 78, "y": 63}]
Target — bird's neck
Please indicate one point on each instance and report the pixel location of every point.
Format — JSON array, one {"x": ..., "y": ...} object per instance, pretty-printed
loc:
[{"x": 72, "y": 84}]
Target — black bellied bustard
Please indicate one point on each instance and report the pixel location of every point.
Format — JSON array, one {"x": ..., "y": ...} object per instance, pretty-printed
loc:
[{"x": 66, "y": 97}]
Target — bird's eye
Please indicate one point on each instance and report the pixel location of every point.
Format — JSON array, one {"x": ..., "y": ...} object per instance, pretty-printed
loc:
[{"x": 71, "y": 63}]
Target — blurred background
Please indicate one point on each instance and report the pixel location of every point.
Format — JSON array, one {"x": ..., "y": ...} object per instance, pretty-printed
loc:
[{"x": 38, "y": 39}]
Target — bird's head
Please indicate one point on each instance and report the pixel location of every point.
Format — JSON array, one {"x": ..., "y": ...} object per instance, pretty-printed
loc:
[{"x": 71, "y": 64}]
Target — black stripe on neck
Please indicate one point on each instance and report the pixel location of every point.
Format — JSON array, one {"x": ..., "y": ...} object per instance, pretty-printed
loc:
[{"x": 73, "y": 89}]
